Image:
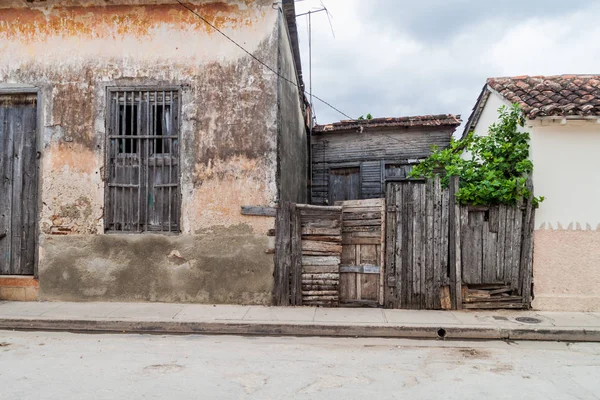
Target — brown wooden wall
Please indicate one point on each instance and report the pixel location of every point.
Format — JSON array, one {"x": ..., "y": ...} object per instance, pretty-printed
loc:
[{"x": 370, "y": 152}]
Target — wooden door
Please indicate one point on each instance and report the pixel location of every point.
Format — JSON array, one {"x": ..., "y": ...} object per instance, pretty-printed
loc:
[
  {"x": 18, "y": 184},
  {"x": 344, "y": 184},
  {"x": 361, "y": 268}
]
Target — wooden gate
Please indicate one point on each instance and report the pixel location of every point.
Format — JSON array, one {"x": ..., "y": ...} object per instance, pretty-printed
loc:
[
  {"x": 417, "y": 245},
  {"x": 329, "y": 255},
  {"x": 440, "y": 254},
  {"x": 18, "y": 184},
  {"x": 361, "y": 270}
]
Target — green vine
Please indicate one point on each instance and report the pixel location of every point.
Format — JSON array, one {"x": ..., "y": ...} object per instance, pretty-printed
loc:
[{"x": 496, "y": 167}]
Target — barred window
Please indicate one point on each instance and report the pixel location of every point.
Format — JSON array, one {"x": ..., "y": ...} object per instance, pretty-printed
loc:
[{"x": 142, "y": 191}]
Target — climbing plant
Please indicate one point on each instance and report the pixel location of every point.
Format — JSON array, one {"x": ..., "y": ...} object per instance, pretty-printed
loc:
[
  {"x": 493, "y": 169},
  {"x": 362, "y": 117}
]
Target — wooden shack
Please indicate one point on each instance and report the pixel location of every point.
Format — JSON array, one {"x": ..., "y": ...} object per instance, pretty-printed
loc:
[{"x": 352, "y": 160}]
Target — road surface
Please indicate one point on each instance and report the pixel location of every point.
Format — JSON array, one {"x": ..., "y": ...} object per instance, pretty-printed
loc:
[{"x": 42, "y": 365}]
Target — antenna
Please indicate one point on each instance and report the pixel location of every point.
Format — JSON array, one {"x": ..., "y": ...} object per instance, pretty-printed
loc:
[{"x": 329, "y": 17}]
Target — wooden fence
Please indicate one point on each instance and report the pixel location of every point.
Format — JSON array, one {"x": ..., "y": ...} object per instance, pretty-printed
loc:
[
  {"x": 416, "y": 249},
  {"x": 443, "y": 255}
]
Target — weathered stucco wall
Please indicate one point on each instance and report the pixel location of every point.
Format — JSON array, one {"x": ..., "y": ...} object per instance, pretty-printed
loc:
[
  {"x": 566, "y": 270},
  {"x": 293, "y": 157},
  {"x": 567, "y": 241},
  {"x": 228, "y": 146}
]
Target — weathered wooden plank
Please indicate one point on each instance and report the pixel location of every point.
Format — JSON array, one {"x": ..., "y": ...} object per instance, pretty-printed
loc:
[
  {"x": 283, "y": 258},
  {"x": 352, "y": 229},
  {"x": 430, "y": 259},
  {"x": 363, "y": 222},
  {"x": 508, "y": 245},
  {"x": 446, "y": 206},
  {"x": 320, "y": 224},
  {"x": 389, "y": 293},
  {"x": 321, "y": 260},
  {"x": 319, "y": 276},
  {"x": 516, "y": 282},
  {"x": 367, "y": 254},
  {"x": 381, "y": 252},
  {"x": 319, "y": 293},
  {"x": 445, "y": 298},
  {"x": 493, "y": 305},
  {"x": 473, "y": 247},
  {"x": 527, "y": 250},
  {"x": 369, "y": 286},
  {"x": 500, "y": 243},
  {"x": 29, "y": 194},
  {"x": 314, "y": 269},
  {"x": 259, "y": 211},
  {"x": 322, "y": 247},
  {"x": 296, "y": 261},
  {"x": 16, "y": 130},
  {"x": 318, "y": 231},
  {"x": 460, "y": 219},
  {"x": 348, "y": 287},
  {"x": 489, "y": 240},
  {"x": 360, "y": 269},
  {"x": 322, "y": 238},
  {"x": 320, "y": 298},
  {"x": 321, "y": 282},
  {"x": 326, "y": 209},
  {"x": 353, "y": 240},
  {"x": 414, "y": 245},
  {"x": 498, "y": 299},
  {"x": 347, "y": 204},
  {"x": 363, "y": 215},
  {"x": 6, "y": 160}
]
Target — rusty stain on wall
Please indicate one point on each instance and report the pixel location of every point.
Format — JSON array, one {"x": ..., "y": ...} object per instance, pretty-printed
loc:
[{"x": 119, "y": 20}]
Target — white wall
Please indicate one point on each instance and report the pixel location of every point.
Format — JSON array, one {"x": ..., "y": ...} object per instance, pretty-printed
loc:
[{"x": 566, "y": 172}]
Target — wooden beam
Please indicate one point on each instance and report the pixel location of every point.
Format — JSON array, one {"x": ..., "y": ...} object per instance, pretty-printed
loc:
[{"x": 259, "y": 211}]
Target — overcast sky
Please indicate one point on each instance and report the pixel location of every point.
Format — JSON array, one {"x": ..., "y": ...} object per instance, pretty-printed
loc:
[{"x": 396, "y": 58}]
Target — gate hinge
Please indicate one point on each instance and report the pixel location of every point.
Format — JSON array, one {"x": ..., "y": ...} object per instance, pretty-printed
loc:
[
  {"x": 391, "y": 281},
  {"x": 392, "y": 208}
]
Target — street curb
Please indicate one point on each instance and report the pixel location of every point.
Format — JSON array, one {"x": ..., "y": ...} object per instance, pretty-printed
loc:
[{"x": 290, "y": 329}]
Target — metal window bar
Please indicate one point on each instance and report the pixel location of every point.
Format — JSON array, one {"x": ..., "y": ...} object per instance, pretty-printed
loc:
[{"x": 143, "y": 155}]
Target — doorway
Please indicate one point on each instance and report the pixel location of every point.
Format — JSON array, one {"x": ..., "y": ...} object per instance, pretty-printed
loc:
[{"x": 18, "y": 183}]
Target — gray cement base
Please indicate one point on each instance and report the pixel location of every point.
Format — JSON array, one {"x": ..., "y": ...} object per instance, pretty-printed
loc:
[{"x": 160, "y": 318}]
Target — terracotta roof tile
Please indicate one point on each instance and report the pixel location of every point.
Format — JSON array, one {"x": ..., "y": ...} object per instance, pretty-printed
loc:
[
  {"x": 416, "y": 121},
  {"x": 560, "y": 95}
]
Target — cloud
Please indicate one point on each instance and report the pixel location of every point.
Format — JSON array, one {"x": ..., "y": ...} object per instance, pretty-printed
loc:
[{"x": 396, "y": 58}]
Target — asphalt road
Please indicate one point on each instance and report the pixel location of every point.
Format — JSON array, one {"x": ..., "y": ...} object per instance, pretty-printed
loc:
[{"x": 41, "y": 365}]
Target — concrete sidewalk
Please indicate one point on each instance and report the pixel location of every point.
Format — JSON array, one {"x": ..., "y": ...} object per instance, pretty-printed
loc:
[{"x": 163, "y": 318}]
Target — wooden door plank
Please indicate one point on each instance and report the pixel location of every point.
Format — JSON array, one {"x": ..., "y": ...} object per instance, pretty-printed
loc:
[
  {"x": 500, "y": 244},
  {"x": 296, "y": 257},
  {"x": 527, "y": 253},
  {"x": 508, "y": 246},
  {"x": 282, "y": 255},
  {"x": 381, "y": 254},
  {"x": 489, "y": 240},
  {"x": 431, "y": 239},
  {"x": 29, "y": 196},
  {"x": 390, "y": 293},
  {"x": 6, "y": 158},
  {"x": 16, "y": 130},
  {"x": 517, "y": 234}
]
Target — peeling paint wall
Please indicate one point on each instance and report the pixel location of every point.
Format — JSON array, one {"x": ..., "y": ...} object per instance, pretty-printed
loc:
[{"x": 228, "y": 143}]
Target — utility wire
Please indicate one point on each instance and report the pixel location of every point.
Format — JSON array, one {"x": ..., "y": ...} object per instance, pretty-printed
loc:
[{"x": 259, "y": 60}]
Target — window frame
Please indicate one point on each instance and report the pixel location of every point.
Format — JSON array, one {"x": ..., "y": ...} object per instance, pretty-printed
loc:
[{"x": 176, "y": 102}]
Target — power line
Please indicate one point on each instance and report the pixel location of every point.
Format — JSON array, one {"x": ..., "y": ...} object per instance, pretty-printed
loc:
[{"x": 259, "y": 60}]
